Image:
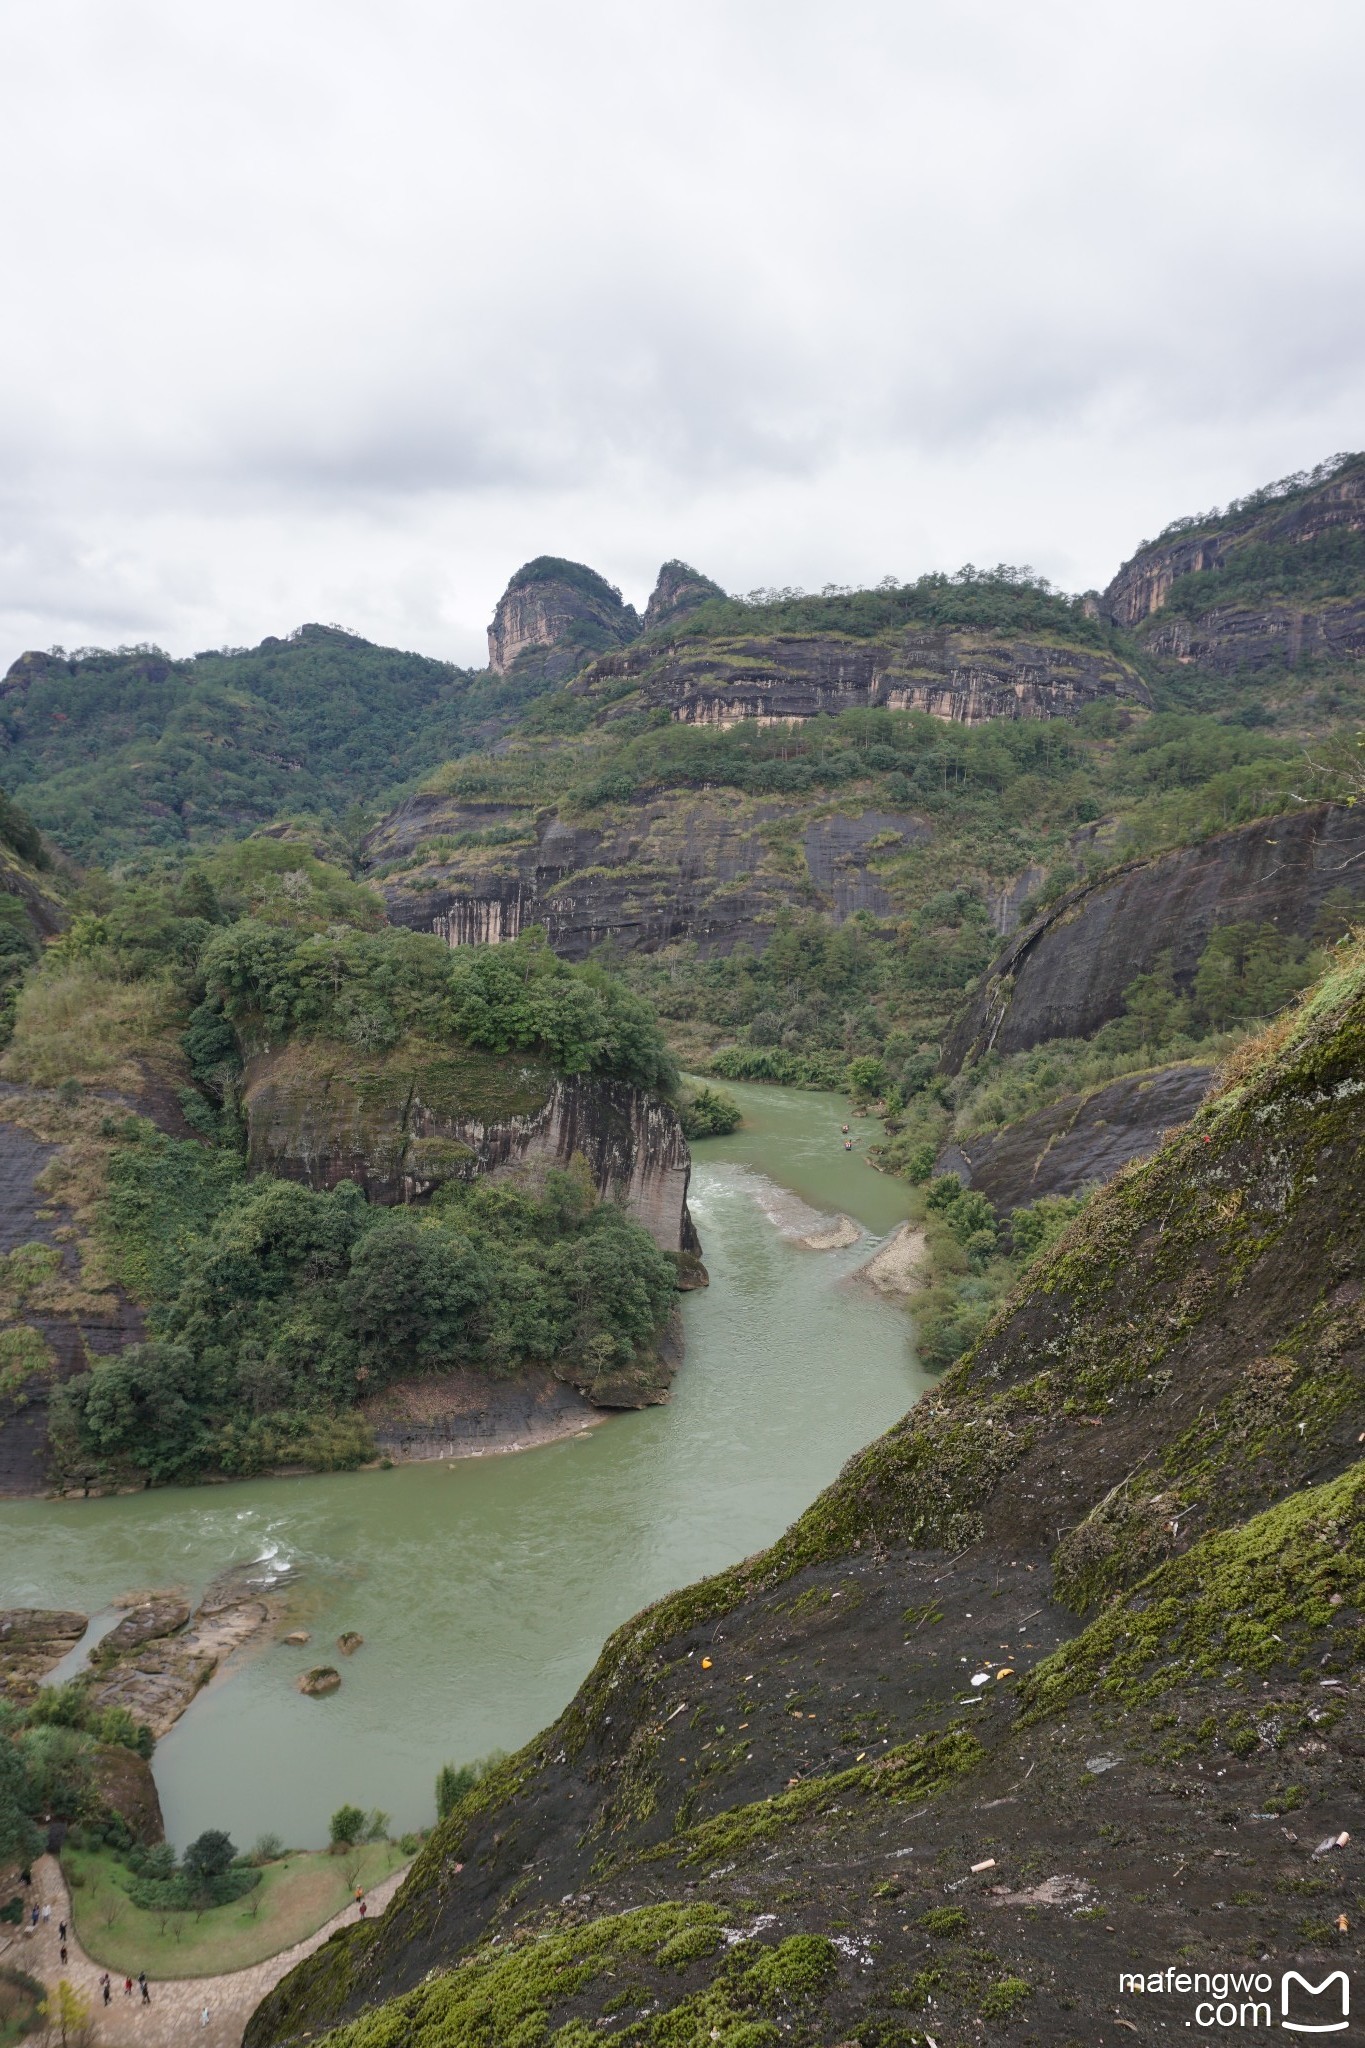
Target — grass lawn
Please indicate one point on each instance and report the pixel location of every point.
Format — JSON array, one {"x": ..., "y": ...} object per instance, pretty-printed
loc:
[
  {"x": 19, "y": 1996},
  {"x": 293, "y": 1899}
]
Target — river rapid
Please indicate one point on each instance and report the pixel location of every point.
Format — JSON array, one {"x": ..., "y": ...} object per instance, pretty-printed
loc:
[{"x": 484, "y": 1587}]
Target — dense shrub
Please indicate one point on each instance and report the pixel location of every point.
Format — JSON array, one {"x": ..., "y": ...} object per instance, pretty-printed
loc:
[
  {"x": 369, "y": 988},
  {"x": 709, "y": 1113},
  {"x": 274, "y": 1309}
]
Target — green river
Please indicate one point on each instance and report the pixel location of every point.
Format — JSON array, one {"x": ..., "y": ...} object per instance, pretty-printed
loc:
[{"x": 484, "y": 1587}]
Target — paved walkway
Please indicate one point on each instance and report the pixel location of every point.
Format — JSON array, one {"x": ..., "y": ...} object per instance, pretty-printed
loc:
[{"x": 173, "y": 2020}]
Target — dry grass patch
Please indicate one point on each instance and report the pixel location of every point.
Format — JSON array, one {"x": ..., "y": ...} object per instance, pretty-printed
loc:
[{"x": 74, "y": 1023}]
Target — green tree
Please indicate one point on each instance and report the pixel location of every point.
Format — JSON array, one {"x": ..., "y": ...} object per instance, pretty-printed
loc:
[
  {"x": 67, "y": 2014},
  {"x": 20, "y": 1840},
  {"x": 347, "y": 1827},
  {"x": 208, "y": 1856}
]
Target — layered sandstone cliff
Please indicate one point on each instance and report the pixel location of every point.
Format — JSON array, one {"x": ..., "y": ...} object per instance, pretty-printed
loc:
[
  {"x": 1274, "y": 582},
  {"x": 706, "y": 865},
  {"x": 560, "y": 611},
  {"x": 401, "y": 1123},
  {"x": 965, "y": 676}
]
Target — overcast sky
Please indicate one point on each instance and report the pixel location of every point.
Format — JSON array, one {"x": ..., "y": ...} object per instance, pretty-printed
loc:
[{"x": 339, "y": 310}]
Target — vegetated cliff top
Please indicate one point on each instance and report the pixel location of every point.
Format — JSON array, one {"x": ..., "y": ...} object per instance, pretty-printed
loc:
[
  {"x": 1057, "y": 1669},
  {"x": 1302, "y": 537}
]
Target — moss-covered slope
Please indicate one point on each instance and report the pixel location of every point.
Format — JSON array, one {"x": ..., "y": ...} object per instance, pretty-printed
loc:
[{"x": 1059, "y": 1681}]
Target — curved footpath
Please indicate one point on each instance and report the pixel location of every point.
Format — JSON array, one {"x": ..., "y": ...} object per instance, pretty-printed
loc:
[{"x": 174, "y": 2018}]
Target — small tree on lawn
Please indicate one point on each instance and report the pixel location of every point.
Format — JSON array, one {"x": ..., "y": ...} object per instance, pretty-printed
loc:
[
  {"x": 347, "y": 1826},
  {"x": 67, "y": 2015},
  {"x": 210, "y": 1855}
]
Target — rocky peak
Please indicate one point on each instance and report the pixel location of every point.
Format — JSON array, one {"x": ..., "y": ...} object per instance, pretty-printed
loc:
[
  {"x": 565, "y": 610},
  {"x": 680, "y": 588}
]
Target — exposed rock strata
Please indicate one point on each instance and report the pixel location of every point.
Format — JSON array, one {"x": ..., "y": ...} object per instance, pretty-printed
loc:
[
  {"x": 401, "y": 1123},
  {"x": 76, "y": 1322},
  {"x": 124, "y": 1785},
  {"x": 32, "y": 1641},
  {"x": 156, "y": 1677},
  {"x": 1079, "y": 1142},
  {"x": 1143, "y": 584},
  {"x": 1279, "y": 629},
  {"x": 781, "y": 678},
  {"x": 465, "y": 1414},
  {"x": 1064, "y": 974},
  {"x": 708, "y": 866},
  {"x": 560, "y": 612},
  {"x": 1228, "y": 640}
]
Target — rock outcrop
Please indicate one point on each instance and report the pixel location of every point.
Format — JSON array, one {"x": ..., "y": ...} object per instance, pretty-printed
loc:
[
  {"x": 557, "y": 614},
  {"x": 400, "y": 1123},
  {"x": 1064, "y": 975},
  {"x": 705, "y": 865},
  {"x": 156, "y": 1676},
  {"x": 967, "y": 677},
  {"x": 1243, "y": 639},
  {"x": 32, "y": 1641},
  {"x": 1079, "y": 1142},
  {"x": 679, "y": 590},
  {"x": 1300, "y": 513},
  {"x": 1285, "y": 556},
  {"x": 124, "y": 1785}
]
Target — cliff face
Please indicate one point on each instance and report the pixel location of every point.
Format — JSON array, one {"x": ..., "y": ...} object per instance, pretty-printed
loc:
[
  {"x": 1079, "y": 1142},
  {"x": 967, "y": 677},
  {"x": 1230, "y": 638},
  {"x": 560, "y": 612},
  {"x": 679, "y": 589},
  {"x": 1064, "y": 975},
  {"x": 400, "y": 1123},
  {"x": 712, "y": 866},
  {"x": 865, "y": 1782},
  {"x": 1299, "y": 585}
]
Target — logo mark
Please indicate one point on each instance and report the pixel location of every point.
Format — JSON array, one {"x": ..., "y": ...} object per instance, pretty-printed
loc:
[{"x": 1337, "y": 1977}]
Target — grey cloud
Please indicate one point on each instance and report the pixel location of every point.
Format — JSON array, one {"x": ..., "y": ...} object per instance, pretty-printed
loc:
[{"x": 324, "y": 300}]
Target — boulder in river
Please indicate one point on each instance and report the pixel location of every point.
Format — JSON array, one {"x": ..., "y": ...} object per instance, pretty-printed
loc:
[
  {"x": 349, "y": 1642},
  {"x": 150, "y": 1619},
  {"x": 321, "y": 1680}
]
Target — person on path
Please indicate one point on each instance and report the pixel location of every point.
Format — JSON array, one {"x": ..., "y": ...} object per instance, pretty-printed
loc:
[
  {"x": 63, "y": 1953},
  {"x": 204, "y": 2017},
  {"x": 26, "y": 1879},
  {"x": 107, "y": 1987},
  {"x": 146, "y": 1991},
  {"x": 34, "y": 1921},
  {"x": 61, "y": 1930},
  {"x": 127, "y": 1987},
  {"x": 47, "y": 1914},
  {"x": 364, "y": 1908}
]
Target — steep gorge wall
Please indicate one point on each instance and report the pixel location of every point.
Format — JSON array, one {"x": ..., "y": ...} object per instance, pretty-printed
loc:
[
  {"x": 710, "y": 866},
  {"x": 399, "y": 1124},
  {"x": 1064, "y": 975}
]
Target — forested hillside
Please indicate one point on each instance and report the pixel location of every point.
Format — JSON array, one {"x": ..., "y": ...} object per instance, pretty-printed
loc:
[{"x": 119, "y": 752}]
